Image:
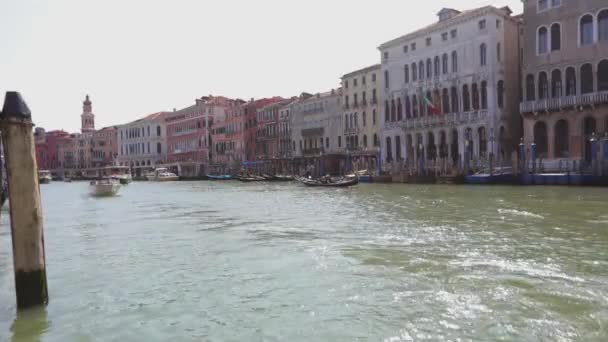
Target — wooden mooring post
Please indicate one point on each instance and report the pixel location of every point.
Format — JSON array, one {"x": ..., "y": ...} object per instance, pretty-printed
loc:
[{"x": 24, "y": 198}]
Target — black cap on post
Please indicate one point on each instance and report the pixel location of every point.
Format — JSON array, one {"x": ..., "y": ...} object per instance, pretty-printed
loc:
[{"x": 15, "y": 107}]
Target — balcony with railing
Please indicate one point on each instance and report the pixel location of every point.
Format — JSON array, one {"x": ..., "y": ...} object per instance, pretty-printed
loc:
[
  {"x": 564, "y": 102},
  {"x": 450, "y": 119},
  {"x": 352, "y": 130}
]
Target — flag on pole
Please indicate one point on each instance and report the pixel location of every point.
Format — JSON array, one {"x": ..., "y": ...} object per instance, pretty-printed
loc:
[{"x": 431, "y": 107}]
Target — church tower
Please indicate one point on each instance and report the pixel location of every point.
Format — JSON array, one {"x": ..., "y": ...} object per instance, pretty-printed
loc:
[{"x": 87, "y": 117}]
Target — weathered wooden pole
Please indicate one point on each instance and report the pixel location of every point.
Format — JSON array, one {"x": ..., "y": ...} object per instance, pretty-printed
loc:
[{"x": 25, "y": 209}]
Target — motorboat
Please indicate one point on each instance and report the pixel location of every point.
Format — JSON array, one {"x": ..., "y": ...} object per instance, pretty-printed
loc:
[
  {"x": 220, "y": 177},
  {"x": 330, "y": 182},
  {"x": 104, "y": 187},
  {"x": 162, "y": 175},
  {"x": 119, "y": 173},
  {"x": 44, "y": 177}
]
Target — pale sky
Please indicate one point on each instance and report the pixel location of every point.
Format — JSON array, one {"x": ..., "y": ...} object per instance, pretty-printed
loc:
[{"x": 136, "y": 57}]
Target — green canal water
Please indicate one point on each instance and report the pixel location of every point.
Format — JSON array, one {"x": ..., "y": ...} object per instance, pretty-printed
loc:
[{"x": 229, "y": 261}]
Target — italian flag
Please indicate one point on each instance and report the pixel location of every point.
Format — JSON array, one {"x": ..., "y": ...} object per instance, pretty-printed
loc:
[{"x": 431, "y": 106}]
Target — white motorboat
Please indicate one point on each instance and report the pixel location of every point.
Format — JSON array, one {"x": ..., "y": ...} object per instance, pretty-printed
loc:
[
  {"x": 162, "y": 175},
  {"x": 120, "y": 173},
  {"x": 44, "y": 177},
  {"x": 104, "y": 187}
]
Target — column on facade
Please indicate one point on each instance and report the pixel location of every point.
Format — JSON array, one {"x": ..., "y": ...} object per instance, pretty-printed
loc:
[{"x": 461, "y": 145}]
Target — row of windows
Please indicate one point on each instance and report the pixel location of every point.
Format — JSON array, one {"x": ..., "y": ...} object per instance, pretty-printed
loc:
[
  {"x": 443, "y": 102},
  {"x": 356, "y": 82},
  {"x": 138, "y": 132},
  {"x": 351, "y": 120},
  {"x": 351, "y": 142},
  {"x": 482, "y": 24},
  {"x": 363, "y": 99},
  {"x": 138, "y": 149},
  {"x": 556, "y": 88}
]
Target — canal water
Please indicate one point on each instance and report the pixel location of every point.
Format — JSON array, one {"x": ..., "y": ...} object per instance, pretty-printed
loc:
[{"x": 207, "y": 261}]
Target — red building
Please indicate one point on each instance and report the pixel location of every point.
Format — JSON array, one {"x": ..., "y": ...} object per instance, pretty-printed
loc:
[
  {"x": 47, "y": 155},
  {"x": 228, "y": 140},
  {"x": 189, "y": 132},
  {"x": 251, "y": 125}
]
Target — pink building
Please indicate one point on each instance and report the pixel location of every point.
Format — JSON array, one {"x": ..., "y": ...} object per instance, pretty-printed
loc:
[
  {"x": 104, "y": 147},
  {"x": 189, "y": 133},
  {"x": 47, "y": 155},
  {"x": 228, "y": 140}
]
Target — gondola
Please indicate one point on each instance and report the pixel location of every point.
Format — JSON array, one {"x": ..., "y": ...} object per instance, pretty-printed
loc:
[
  {"x": 220, "y": 177},
  {"x": 342, "y": 183}
]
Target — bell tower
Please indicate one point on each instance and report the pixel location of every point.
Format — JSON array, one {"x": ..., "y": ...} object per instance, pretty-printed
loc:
[{"x": 87, "y": 117}]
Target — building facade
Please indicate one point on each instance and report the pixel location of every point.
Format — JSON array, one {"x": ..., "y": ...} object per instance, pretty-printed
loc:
[
  {"x": 143, "y": 143},
  {"x": 228, "y": 140},
  {"x": 104, "y": 147},
  {"x": 316, "y": 126},
  {"x": 565, "y": 79},
  {"x": 362, "y": 91},
  {"x": 451, "y": 92}
]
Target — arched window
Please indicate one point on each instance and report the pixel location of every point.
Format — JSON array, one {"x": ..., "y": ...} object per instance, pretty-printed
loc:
[
  {"x": 398, "y": 147},
  {"x": 556, "y": 37},
  {"x": 399, "y": 110},
  {"x": 421, "y": 70},
  {"x": 586, "y": 79},
  {"x": 346, "y": 121},
  {"x": 543, "y": 86},
  {"x": 530, "y": 90},
  {"x": 500, "y": 93},
  {"x": 444, "y": 62},
  {"x": 159, "y": 148},
  {"x": 364, "y": 118},
  {"x": 570, "y": 82},
  {"x": 542, "y": 39},
  {"x": 483, "y": 54},
  {"x": 386, "y": 79},
  {"x": 387, "y": 111},
  {"x": 427, "y": 110},
  {"x": 454, "y": 61},
  {"x": 389, "y": 151},
  {"x": 602, "y": 74},
  {"x": 475, "y": 92},
  {"x": 364, "y": 140},
  {"x": 414, "y": 72},
  {"x": 445, "y": 98},
  {"x": 158, "y": 131},
  {"x": 326, "y": 142},
  {"x": 437, "y": 66},
  {"x": 408, "y": 107},
  {"x": 414, "y": 106},
  {"x": 586, "y": 30},
  {"x": 429, "y": 68},
  {"x": 556, "y": 84},
  {"x": 406, "y": 73},
  {"x": 376, "y": 140},
  {"x": 483, "y": 140},
  {"x": 562, "y": 137},
  {"x": 540, "y": 138},
  {"x": 602, "y": 25},
  {"x": 484, "y": 95},
  {"x": 466, "y": 98},
  {"x": 393, "y": 110},
  {"x": 454, "y": 95}
]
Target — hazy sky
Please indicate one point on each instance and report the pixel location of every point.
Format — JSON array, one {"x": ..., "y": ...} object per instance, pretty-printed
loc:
[{"x": 136, "y": 57}]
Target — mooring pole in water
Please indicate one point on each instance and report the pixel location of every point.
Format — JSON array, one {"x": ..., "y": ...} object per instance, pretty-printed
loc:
[{"x": 24, "y": 196}]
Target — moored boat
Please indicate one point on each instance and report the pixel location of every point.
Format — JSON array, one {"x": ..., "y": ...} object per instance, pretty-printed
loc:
[
  {"x": 330, "y": 182},
  {"x": 220, "y": 177},
  {"x": 162, "y": 175},
  {"x": 251, "y": 178},
  {"x": 104, "y": 187},
  {"x": 44, "y": 177}
]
